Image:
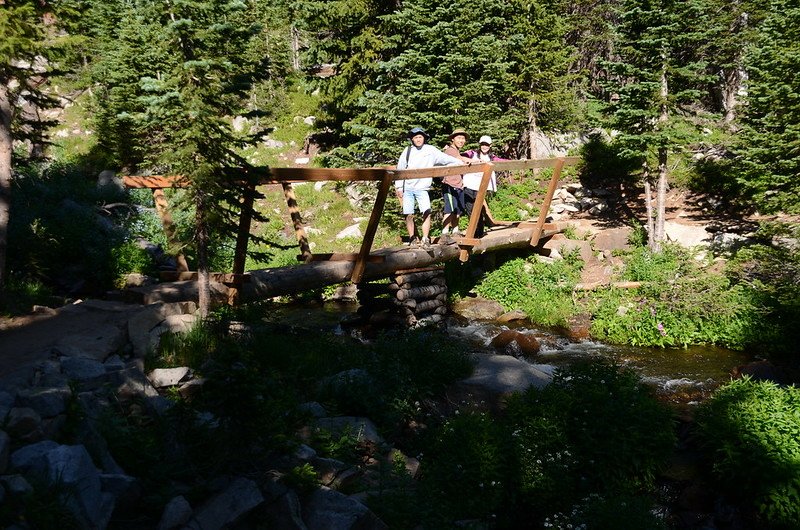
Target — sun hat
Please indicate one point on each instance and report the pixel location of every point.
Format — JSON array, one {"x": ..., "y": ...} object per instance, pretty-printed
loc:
[
  {"x": 457, "y": 132},
  {"x": 485, "y": 139},
  {"x": 417, "y": 130}
]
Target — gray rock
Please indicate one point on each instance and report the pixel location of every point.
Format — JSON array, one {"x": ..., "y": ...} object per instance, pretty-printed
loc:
[
  {"x": 144, "y": 327},
  {"x": 5, "y": 451},
  {"x": 103, "y": 340},
  {"x": 132, "y": 382},
  {"x": 353, "y": 231},
  {"x": 25, "y": 423},
  {"x": 315, "y": 409},
  {"x": 125, "y": 489},
  {"x": 6, "y": 403},
  {"x": 108, "y": 177},
  {"x": 229, "y": 506},
  {"x": 286, "y": 512},
  {"x": 478, "y": 308},
  {"x": 176, "y": 513},
  {"x": 16, "y": 485},
  {"x": 71, "y": 466},
  {"x": 164, "y": 377},
  {"x": 30, "y": 459},
  {"x": 114, "y": 364},
  {"x": 88, "y": 373},
  {"x": 305, "y": 453},
  {"x": 48, "y": 402},
  {"x": 326, "y": 509},
  {"x": 361, "y": 428},
  {"x": 503, "y": 374}
]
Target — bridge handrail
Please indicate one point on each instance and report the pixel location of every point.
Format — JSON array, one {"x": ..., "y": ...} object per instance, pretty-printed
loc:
[{"x": 384, "y": 175}]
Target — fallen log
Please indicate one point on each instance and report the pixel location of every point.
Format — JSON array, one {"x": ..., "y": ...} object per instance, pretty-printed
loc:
[
  {"x": 428, "y": 305},
  {"x": 267, "y": 283},
  {"x": 421, "y": 292},
  {"x": 412, "y": 277}
]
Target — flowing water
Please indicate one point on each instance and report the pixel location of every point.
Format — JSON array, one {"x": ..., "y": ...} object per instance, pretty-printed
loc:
[{"x": 683, "y": 376}]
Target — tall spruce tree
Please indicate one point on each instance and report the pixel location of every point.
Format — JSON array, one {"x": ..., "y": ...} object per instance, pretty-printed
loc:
[
  {"x": 344, "y": 42},
  {"x": 489, "y": 66},
  {"x": 29, "y": 30},
  {"x": 769, "y": 152},
  {"x": 169, "y": 92},
  {"x": 657, "y": 71}
]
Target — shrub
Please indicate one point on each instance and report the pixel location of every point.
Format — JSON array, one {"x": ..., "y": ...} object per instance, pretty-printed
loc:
[
  {"x": 539, "y": 289},
  {"x": 751, "y": 431},
  {"x": 465, "y": 471},
  {"x": 595, "y": 429}
]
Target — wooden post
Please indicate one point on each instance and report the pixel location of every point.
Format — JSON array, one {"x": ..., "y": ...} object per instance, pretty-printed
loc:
[
  {"x": 297, "y": 221},
  {"x": 551, "y": 189},
  {"x": 243, "y": 235},
  {"x": 372, "y": 227},
  {"x": 477, "y": 209},
  {"x": 169, "y": 227}
]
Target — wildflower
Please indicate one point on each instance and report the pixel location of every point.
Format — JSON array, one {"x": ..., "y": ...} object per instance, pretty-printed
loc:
[{"x": 661, "y": 329}]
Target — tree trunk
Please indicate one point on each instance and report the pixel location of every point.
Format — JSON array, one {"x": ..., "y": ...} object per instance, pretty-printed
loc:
[
  {"x": 733, "y": 77},
  {"x": 648, "y": 206},
  {"x": 201, "y": 235},
  {"x": 661, "y": 194},
  {"x": 661, "y": 187},
  {"x": 532, "y": 127},
  {"x": 6, "y": 149}
]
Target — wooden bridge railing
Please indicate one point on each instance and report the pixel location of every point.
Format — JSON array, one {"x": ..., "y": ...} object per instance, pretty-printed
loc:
[{"x": 385, "y": 178}]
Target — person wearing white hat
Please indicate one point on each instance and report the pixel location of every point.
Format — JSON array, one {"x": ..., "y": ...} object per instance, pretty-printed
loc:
[
  {"x": 472, "y": 181},
  {"x": 419, "y": 155}
]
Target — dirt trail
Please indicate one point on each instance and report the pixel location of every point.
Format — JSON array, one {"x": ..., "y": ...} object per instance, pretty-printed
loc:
[{"x": 28, "y": 339}]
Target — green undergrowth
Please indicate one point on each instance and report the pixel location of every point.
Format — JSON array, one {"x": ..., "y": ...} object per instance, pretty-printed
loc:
[
  {"x": 751, "y": 432},
  {"x": 680, "y": 300},
  {"x": 539, "y": 289},
  {"x": 574, "y": 453}
]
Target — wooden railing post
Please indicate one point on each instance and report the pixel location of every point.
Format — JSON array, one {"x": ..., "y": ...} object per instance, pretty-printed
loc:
[
  {"x": 169, "y": 228},
  {"x": 372, "y": 227},
  {"x": 551, "y": 189},
  {"x": 477, "y": 209},
  {"x": 297, "y": 221},
  {"x": 243, "y": 235}
]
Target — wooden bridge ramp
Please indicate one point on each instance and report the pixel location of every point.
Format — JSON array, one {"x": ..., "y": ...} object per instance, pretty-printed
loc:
[{"x": 319, "y": 270}]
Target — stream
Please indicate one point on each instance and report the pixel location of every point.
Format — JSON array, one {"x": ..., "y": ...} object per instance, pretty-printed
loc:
[{"x": 681, "y": 376}]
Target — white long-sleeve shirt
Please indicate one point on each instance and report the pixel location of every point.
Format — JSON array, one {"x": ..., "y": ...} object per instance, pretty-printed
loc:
[{"x": 418, "y": 158}]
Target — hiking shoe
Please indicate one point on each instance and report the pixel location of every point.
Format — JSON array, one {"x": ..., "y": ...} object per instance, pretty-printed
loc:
[
  {"x": 456, "y": 232},
  {"x": 445, "y": 239},
  {"x": 426, "y": 243},
  {"x": 413, "y": 242}
]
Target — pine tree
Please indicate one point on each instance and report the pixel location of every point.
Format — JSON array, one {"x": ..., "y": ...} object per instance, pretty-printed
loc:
[
  {"x": 769, "y": 152},
  {"x": 489, "y": 66},
  {"x": 657, "y": 71},
  {"x": 181, "y": 71},
  {"x": 29, "y": 41}
]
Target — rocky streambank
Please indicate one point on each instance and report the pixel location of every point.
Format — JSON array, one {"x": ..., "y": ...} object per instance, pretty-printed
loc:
[{"x": 53, "y": 408}]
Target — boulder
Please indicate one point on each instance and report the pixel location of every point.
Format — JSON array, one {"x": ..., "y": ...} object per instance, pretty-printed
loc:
[
  {"x": 176, "y": 513},
  {"x": 516, "y": 342},
  {"x": 361, "y": 428},
  {"x": 5, "y": 451},
  {"x": 511, "y": 316},
  {"x": 326, "y": 509},
  {"x": 229, "y": 506},
  {"x": 165, "y": 377},
  {"x": 48, "y": 402},
  {"x": 478, "y": 308},
  {"x": 502, "y": 374},
  {"x": 24, "y": 423}
]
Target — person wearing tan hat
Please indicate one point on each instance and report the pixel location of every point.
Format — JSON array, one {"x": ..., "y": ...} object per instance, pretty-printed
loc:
[{"x": 453, "y": 185}]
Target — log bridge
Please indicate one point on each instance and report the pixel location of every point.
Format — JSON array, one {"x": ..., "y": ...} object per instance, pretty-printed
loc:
[{"x": 319, "y": 270}]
